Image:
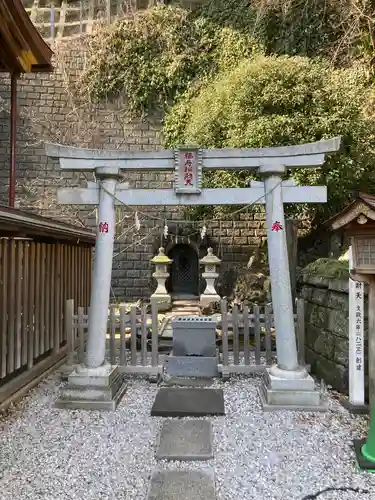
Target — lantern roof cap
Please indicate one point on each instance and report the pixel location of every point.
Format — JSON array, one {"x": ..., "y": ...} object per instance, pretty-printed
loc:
[
  {"x": 161, "y": 258},
  {"x": 210, "y": 258}
]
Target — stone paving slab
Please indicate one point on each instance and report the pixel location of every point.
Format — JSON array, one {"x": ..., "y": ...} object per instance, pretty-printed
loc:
[
  {"x": 182, "y": 485},
  {"x": 185, "y": 440},
  {"x": 188, "y": 402}
]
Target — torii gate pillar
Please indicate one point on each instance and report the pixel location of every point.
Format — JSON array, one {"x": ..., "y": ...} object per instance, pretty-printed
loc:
[
  {"x": 285, "y": 385},
  {"x": 96, "y": 384}
]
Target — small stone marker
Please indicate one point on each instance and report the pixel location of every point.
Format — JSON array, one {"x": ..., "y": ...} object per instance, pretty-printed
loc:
[
  {"x": 185, "y": 440},
  {"x": 182, "y": 485},
  {"x": 188, "y": 402}
]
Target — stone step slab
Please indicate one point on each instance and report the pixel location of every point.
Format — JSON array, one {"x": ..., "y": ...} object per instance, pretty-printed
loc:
[
  {"x": 187, "y": 382},
  {"x": 182, "y": 485},
  {"x": 185, "y": 440},
  {"x": 188, "y": 402}
]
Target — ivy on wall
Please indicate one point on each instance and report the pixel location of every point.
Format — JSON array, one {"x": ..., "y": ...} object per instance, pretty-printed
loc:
[{"x": 155, "y": 56}]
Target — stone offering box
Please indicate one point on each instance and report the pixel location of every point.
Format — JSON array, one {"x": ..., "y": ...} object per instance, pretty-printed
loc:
[
  {"x": 194, "y": 347},
  {"x": 194, "y": 336}
]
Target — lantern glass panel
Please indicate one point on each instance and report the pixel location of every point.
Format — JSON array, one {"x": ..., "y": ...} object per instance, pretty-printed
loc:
[{"x": 365, "y": 250}]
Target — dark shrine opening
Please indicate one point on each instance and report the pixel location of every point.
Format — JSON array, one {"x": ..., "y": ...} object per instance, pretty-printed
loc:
[{"x": 184, "y": 271}]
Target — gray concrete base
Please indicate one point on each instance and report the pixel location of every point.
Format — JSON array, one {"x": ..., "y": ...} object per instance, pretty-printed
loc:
[
  {"x": 355, "y": 409},
  {"x": 162, "y": 301},
  {"x": 290, "y": 394},
  {"x": 66, "y": 370},
  {"x": 182, "y": 485},
  {"x": 206, "y": 300},
  {"x": 185, "y": 440},
  {"x": 92, "y": 389},
  {"x": 192, "y": 366}
]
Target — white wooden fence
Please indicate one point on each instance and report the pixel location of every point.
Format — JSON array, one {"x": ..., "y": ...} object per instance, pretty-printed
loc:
[{"x": 245, "y": 338}]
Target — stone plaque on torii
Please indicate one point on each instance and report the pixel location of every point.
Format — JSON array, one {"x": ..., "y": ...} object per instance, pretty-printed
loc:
[{"x": 286, "y": 385}]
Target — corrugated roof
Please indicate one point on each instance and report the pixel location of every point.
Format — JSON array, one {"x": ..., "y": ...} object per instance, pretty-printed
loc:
[{"x": 22, "y": 49}]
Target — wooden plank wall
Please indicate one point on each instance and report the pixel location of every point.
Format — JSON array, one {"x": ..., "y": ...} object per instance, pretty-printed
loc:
[{"x": 36, "y": 280}]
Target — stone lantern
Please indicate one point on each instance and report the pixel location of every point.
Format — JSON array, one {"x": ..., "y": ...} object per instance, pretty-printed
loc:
[
  {"x": 210, "y": 262},
  {"x": 161, "y": 297}
]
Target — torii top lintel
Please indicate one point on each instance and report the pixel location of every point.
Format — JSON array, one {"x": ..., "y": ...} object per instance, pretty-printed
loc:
[{"x": 303, "y": 155}]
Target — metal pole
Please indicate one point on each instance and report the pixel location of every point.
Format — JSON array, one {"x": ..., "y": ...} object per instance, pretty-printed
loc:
[
  {"x": 13, "y": 138},
  {"x": 102, "y": 271}
]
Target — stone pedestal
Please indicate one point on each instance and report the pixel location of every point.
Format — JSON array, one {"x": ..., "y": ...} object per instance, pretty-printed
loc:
[
  {"x": 92, "y": 389},
  {"x": 295, "y": 390},
  {"x": 210, "y": 262},
  {"x": 194, "y": 348},
  {"x": 161, "y": 297}
]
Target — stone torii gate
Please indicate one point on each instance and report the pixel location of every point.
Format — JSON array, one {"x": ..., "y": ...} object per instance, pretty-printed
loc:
[{"x": 285, "y": 385}]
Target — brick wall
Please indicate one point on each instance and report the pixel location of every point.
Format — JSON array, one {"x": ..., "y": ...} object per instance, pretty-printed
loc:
[{"x": 50, "y": 109}]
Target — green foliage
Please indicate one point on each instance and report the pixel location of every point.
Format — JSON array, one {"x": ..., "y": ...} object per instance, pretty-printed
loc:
[
  {"x": 154, "y": 57},
  {"x": 277, "y": 101},
  {"x": 214, "y": 74},
  {"x": 328, "y": 268}
]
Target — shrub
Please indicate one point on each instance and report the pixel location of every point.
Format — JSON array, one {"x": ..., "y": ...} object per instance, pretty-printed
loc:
[{"x": 276, "y": 101}]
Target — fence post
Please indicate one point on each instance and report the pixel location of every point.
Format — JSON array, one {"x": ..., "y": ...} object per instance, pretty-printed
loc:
[
  {"x": 81, "y": 335},
  {"x": 268, "y": 315},
  {"x": 133, "y": 337},
  {"x": 301, "y": 331},
  {"x": 224, "y": 338},
  {"x": 68, "y": 367},
  {"x": 154, "y": 335},
  {"x": 236, "y": 335}
]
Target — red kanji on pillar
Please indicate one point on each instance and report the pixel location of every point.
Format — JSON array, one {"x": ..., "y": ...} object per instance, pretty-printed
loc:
[
  {"x": 103, "y": 227},
  {"x": 276, "y": 226}
]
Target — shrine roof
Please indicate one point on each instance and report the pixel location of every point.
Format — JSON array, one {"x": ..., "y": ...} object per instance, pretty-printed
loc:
[
  {"x": 22, "y": 49},
  {"x": 19, "y": 223},
  {"x": 364, "y": 204}
]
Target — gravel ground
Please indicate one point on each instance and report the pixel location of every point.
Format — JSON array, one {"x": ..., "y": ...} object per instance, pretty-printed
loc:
[{"x": 59, "y": 455}]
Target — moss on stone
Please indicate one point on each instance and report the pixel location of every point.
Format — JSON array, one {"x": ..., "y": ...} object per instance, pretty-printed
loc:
[{"x": 328, "y": 268}]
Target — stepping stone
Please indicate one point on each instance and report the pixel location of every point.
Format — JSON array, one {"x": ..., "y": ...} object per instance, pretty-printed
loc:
[
  {"x": 185, "y": 440},
  {"x": 188, "y": 402},
  {"x": 182, "y": 485},
  {"x": 187, "y": 382}
]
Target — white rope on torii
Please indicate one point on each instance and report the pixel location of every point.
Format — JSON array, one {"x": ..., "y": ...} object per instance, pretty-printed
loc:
[{"x": 188, "y": 163}]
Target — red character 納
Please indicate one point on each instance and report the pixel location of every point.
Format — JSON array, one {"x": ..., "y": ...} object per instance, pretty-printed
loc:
[{"x": 103, "y": 227}]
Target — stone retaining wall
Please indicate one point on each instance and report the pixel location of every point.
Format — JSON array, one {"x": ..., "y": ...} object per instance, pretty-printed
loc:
[{"x": 327, "y": 329}]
